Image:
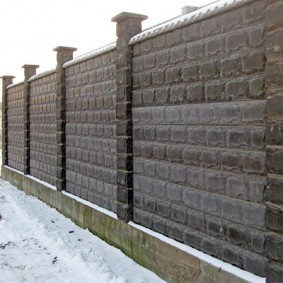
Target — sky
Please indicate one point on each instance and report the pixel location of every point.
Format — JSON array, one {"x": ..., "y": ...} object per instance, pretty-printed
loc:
[{"x": 31, "y": 29}]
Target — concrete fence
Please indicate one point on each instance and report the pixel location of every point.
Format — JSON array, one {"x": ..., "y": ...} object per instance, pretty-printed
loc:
[{"x": 177, "y": 128}]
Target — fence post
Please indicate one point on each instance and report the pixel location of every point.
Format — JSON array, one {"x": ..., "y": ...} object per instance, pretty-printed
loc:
[
  {"x": 127, "y": 26},
  {"x": 64, "y": 54},
  {"x": 29, "y": 71},
  {"x": 6, "y": 80},
  {"x": 274, "y": 139}
]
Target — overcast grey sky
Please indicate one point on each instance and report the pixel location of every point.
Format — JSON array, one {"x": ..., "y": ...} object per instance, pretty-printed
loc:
[{"x": 30, "y": 29}]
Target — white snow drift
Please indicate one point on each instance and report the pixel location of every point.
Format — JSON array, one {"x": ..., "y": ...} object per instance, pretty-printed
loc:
[{"x": 38, "y": 244}]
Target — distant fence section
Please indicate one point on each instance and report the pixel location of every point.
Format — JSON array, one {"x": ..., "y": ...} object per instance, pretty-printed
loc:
[
  {"x": 178, "y": 128},
  {"x": 42, "y": 127},
  {"x": 91, "y": 159}
]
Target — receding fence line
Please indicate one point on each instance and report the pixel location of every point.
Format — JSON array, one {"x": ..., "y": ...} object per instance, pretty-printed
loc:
[{"x": 177, "y": 128}]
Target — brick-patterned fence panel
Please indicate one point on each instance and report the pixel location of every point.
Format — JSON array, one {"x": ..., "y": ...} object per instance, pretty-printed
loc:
[
  {"x": 43, "y": 127},
  {"x": 178, "y": 128},
  {"x": 15, "y": 118},
  {"x": 199, "y": 129},
  {"x": 91, "y": 130}
]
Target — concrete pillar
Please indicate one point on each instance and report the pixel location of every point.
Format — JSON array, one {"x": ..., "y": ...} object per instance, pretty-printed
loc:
[
  {"x": 6, "y": 81},
  {"x": 29, "y": 71},
  {"x": 64, "y": 54},
  {"x": 274, "y": 138},
  {"x": 128, "y": 25}
]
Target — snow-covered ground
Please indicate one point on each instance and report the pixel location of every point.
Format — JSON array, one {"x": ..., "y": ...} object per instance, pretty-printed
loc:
[{"x": 38, "y": 244}]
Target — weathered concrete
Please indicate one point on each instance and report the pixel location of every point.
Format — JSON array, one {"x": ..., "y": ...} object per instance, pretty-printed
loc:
[{"x": 167, "y": 261}]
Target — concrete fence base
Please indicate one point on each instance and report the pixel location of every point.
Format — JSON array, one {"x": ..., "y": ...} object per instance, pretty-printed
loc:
[{"x": 166, "y": 258}]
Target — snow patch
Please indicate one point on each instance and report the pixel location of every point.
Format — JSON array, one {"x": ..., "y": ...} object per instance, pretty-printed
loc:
[
  {"x": 41, "y": 75},
  {"x": 32, "y": 178},
  {"x": 38, "y": 244},
  {"x": 92, "y": 205},
  {"x": 42, "y": 182},
  {"x": 197, "y": 15},
  {"x": 202, "y": 256},
  {"x": 15, "y": 84},
  {"x": 90, "y": 55},
  {"x": 13, "y": 169},
  {"x": 5, "y": 187}
]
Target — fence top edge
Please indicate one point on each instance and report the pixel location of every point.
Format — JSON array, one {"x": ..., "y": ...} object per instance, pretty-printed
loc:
[
  {"x": 41, "y": 75},
  {"x": 91, "y": 54},
  {"x": 15, "y": 85},
  {"x": 183, "y": 20}
]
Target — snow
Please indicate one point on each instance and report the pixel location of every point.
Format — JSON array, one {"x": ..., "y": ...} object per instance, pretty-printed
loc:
[
  {"x": 38, "y": 244},
  {"x": 249, "y": 277},
  {"x": 13, "y": 169},
  {"x": 41, "y": 75},
  {"x": 92, "y": 205},
  {"x": 41, "y": 182},
  {"x": 32, "y": 178},
  {"x": 91, "y": 54},
  {"x": 197, "y": 15}
]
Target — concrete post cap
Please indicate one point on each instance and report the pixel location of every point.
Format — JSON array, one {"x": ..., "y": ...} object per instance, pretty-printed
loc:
[
  {"x": 125, "y": 15},
  {"x": 188, "y": 9},
  {"x": 65, "y": 48},
  {"x": 26, "y": 66},
  {"x": 7, "y": 80},
  {"x": 7, "y": 77}
]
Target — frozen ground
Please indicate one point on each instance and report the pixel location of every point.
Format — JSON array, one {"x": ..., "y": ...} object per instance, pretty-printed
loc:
[{"x": 37, "y": 244}]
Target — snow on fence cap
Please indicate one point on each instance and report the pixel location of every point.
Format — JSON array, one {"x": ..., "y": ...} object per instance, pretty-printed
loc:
[
  {"x": 41, "y": 75},
  {"x": 14, "y": 85},
  {"x": 197, "y": 15},
  {"x": 92, "y": 54}
]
